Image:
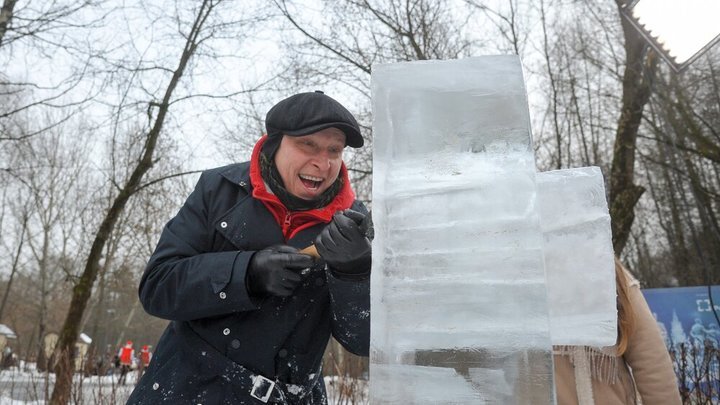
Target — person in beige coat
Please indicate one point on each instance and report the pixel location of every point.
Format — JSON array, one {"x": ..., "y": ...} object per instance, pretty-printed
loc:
[{"x": 637, "y": 370}]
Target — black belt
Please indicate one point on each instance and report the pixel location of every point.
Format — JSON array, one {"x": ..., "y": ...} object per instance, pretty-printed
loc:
[{"x": 243, "y": 381}]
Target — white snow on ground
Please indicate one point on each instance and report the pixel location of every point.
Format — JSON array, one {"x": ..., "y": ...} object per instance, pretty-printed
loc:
[
  {"x": 9, "y": 401},
  {"x": 27, "y": 386}
]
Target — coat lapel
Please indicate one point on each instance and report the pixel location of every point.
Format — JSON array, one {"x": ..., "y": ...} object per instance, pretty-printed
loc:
[{"x": 248, "y": 225}]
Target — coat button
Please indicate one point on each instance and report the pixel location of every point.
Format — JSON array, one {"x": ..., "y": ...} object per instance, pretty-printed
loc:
[
  {"x": 156, "y": 386},
  {"x": 282, "y": 353},
  {"x": 242, "y": 184},
  {"x": 235, "y": 344},
  {"x": 223, "y": 224},
  {"x": 226, "y": 331},
  {"x": 223, "y": 295}
]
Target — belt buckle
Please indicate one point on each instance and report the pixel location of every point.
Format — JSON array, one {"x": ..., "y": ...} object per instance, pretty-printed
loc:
[{"x": 262, "y": 388}]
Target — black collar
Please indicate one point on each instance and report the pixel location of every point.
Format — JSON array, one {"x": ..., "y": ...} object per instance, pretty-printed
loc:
[{"x": 238, "y": 173}]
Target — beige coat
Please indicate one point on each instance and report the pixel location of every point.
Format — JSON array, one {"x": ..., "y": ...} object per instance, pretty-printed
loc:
[{"x": 611, "y": 379}]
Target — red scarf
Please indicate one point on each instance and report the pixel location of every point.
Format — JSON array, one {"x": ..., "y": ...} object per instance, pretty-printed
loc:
[{"x": 293, "y": 222}]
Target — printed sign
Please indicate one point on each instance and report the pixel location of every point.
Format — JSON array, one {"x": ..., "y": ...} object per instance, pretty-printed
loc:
[
  {"x": 691, "y": 332},
  {"x": 685, "y": 313}
]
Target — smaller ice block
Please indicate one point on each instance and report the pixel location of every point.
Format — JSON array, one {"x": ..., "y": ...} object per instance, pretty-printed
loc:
[{"x": 579, "y": 259}]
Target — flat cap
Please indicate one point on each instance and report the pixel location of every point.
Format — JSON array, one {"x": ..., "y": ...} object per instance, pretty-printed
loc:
[{"x": 307, "y": 113}]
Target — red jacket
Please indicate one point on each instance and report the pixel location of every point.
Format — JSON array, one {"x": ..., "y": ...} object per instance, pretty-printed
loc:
[
  {"x": 145, "y": 356},
  {"x": 126, "y": 355}
]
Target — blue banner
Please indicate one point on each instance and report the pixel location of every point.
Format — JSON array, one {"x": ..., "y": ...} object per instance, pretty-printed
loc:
[
  {"x": 691, "y": 332},
  {"x": 685, "y": 313}
]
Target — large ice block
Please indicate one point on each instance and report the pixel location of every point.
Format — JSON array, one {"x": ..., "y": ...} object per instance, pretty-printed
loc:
[
  {"x": 458, "y": 292},
  {"x": 578, "y": 257}
]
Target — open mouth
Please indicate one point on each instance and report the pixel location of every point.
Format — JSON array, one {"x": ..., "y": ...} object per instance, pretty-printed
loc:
[{"x": 311, "y": 182}]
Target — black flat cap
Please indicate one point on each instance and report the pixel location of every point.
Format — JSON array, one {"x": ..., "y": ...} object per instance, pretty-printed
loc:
[{"x": 307, "y": 113}]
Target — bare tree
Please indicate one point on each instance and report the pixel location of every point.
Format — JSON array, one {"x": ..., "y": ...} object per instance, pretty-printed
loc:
[
  {"x": 509, "y": 23},
  {"x": 82, "y": 290},
  {"x": 36, "y": 20},
  {"x": 640, "y": 66},
  {"x": 6, "y": 14},
  {"x": 24, "y": 217},
  {"x": 46, "y": 169},
  {"x": 687, "y": 156},
  {"x": 43, "y": 29},
  {"x": 116, "y": 312}
]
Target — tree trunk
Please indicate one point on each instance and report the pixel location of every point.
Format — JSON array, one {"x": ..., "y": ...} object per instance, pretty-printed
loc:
[
  {"x": 98, "y": 342},
  {"x": 42, "y": 362},
  {"x": 554, "y": 87},
  {"x": 640, "y": 63},
  {"x": 6, "y": 14},
  {"x": 676, "y": 239},
  {"x": 83, "y": 288},
  {"x": 16, "y": 259}
]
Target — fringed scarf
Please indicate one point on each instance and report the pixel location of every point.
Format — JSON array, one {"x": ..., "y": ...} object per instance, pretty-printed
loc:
[{"x": 591, "y": 363}]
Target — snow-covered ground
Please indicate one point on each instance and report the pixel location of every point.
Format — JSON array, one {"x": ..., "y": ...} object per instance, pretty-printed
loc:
[{"x": 26, "y": 386}]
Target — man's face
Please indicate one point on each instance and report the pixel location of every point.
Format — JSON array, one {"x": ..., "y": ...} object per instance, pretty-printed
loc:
[{"x": 310, "y": 164}]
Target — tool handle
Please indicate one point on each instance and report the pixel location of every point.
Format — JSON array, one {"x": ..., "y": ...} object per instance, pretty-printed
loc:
[{"x": 311, "y": 250}]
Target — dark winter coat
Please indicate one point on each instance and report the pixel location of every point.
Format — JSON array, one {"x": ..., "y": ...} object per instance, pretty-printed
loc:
[{"x": 220, "y": 334}]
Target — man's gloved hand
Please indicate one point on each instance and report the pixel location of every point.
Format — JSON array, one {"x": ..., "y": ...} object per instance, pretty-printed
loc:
[
  {"x": 274, "y": 271},
  {"x": 344, "y": 244}
]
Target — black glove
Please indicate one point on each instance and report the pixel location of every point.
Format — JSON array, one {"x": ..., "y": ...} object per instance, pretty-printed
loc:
[
  {"x": 344, "y": 244},
  {"x": 274, "y": 271}
]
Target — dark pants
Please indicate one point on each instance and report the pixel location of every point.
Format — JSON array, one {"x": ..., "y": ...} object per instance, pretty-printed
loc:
[{"x": 123, "y": 373}]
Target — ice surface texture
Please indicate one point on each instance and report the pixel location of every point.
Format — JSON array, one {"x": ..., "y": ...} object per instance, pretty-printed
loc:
[
  {"x": 578, "y": 257},
  {"x": 459, "y": 301}
]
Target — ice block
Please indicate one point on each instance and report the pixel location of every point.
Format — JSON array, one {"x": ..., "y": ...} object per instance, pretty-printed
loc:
[
  {"x": 579, "y": 259},
  {"x": 458, "y": 292}
]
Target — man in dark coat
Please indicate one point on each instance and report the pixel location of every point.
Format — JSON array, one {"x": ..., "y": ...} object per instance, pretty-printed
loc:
[{"x": 251, "y": 315}]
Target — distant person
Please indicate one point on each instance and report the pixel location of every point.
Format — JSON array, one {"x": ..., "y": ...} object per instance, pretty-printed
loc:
[
  {"x": 638, "y": 364},
  {"x": 116, "y": 361},
  {"x": 125, "y": 355},
  {"x": 145, "y": 357},
  {"x": 7, "y": 357},
  {"x": 252, "y": 315}
]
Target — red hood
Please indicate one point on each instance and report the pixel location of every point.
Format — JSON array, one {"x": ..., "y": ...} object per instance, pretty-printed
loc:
[{"x": 293, "y": 222}]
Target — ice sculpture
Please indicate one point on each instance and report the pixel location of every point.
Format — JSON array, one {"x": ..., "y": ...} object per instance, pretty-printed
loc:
[{"x": 459, "y": 301}]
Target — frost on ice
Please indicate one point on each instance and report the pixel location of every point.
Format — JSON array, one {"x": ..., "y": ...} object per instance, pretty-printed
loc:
[
  {"x": 460, "y": 310},
  {"x": 578, "y": 252}
]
